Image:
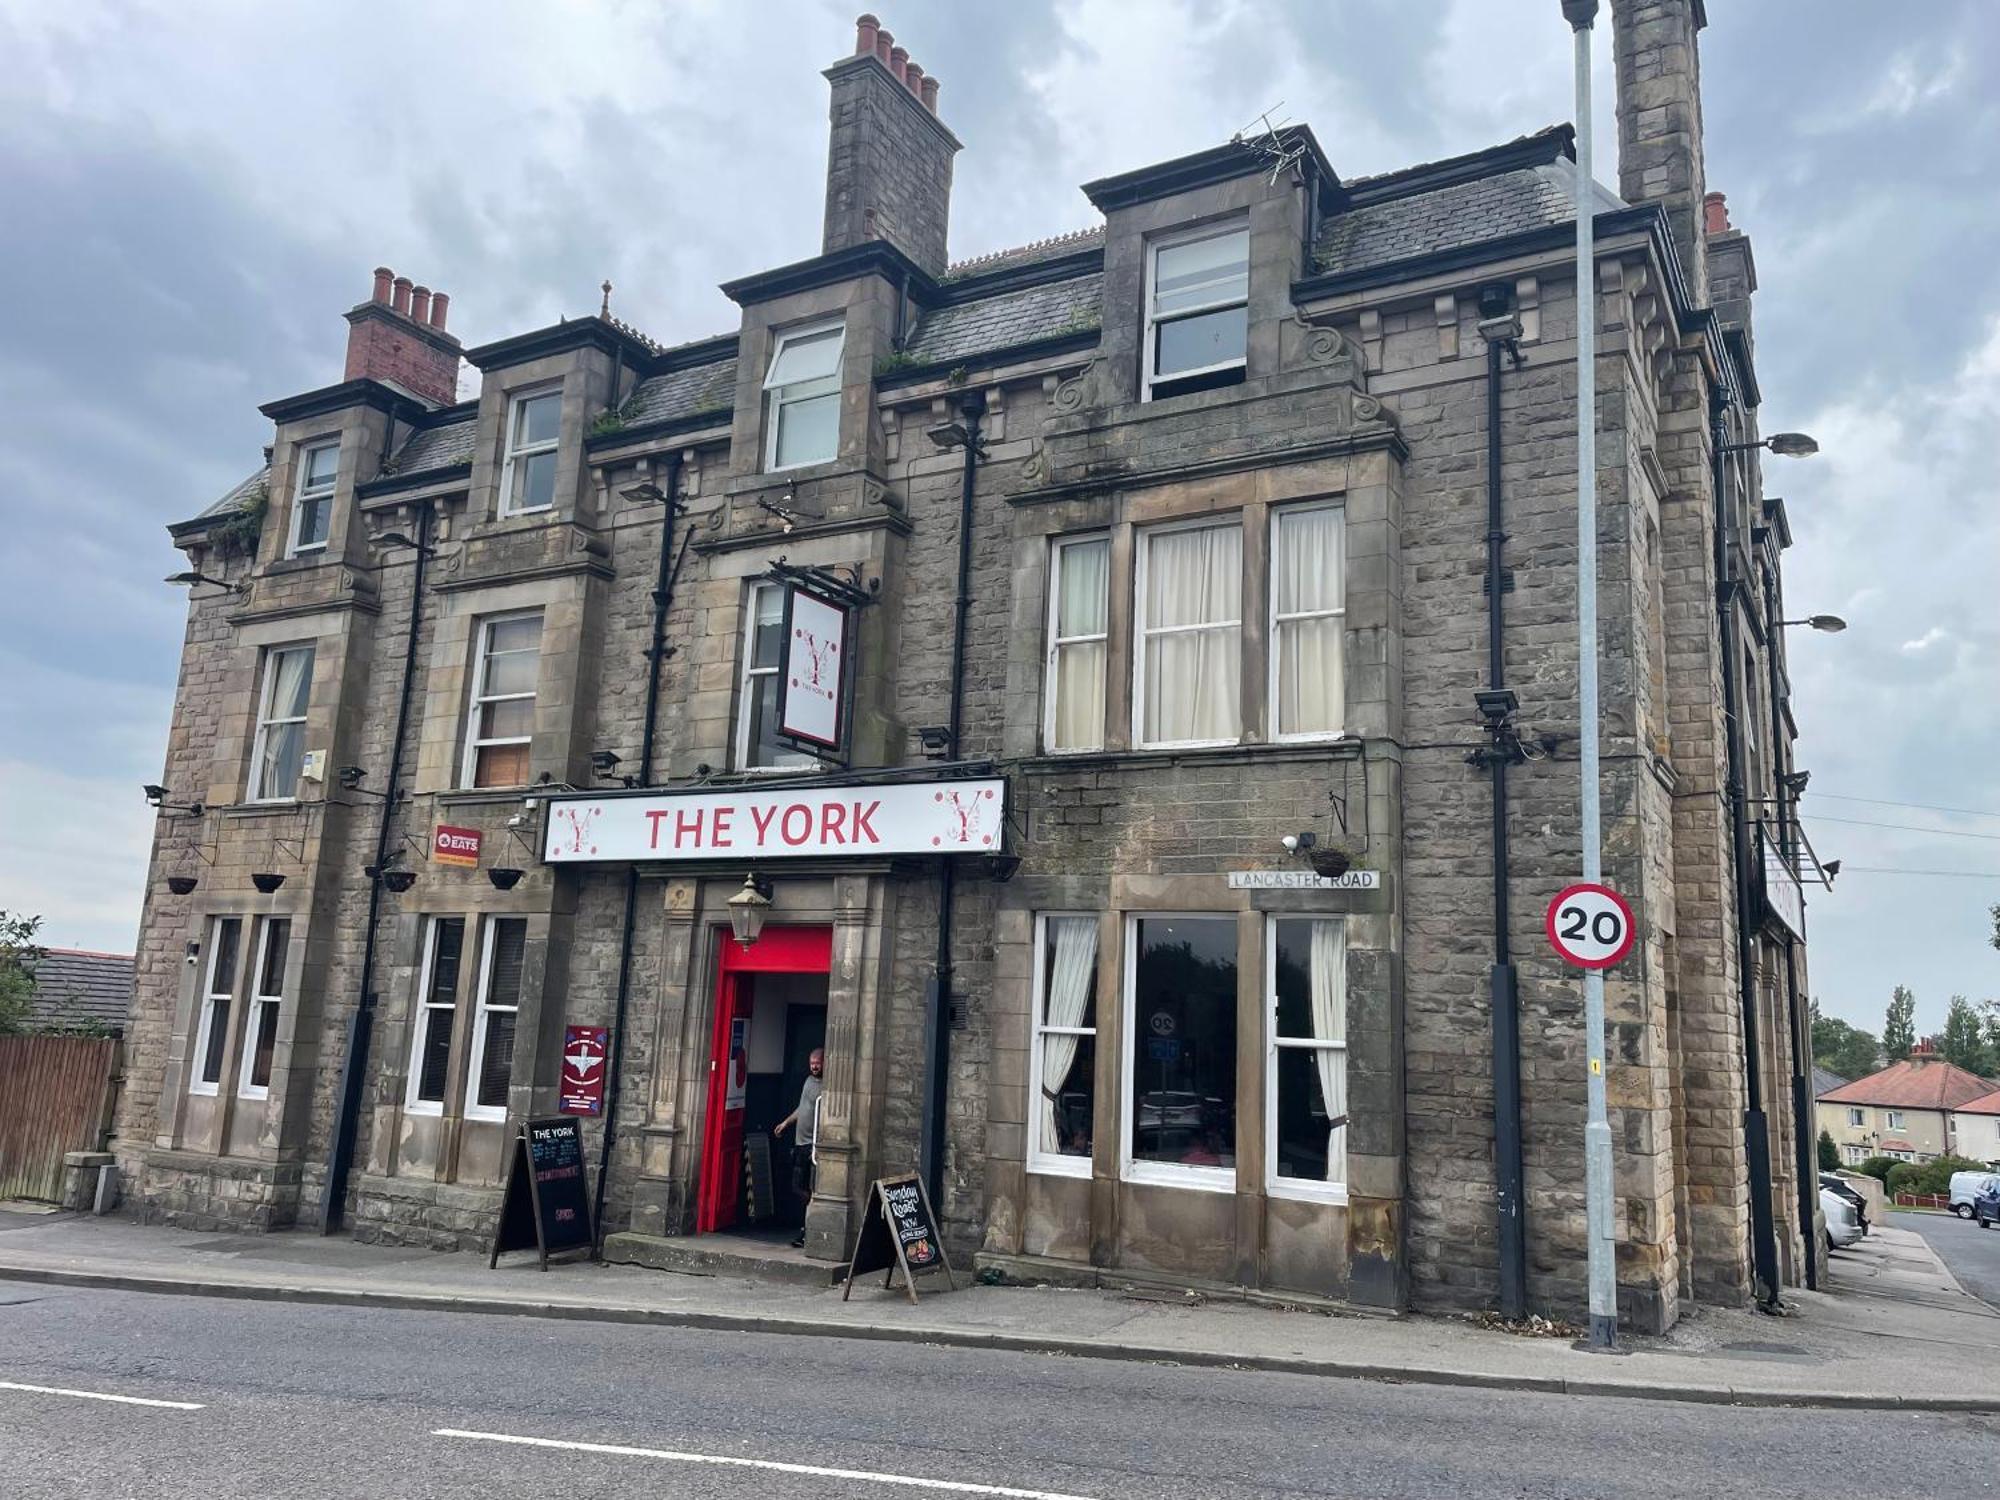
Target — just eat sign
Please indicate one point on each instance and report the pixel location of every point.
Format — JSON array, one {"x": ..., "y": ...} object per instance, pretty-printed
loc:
[{"x": 931, "y": 817}]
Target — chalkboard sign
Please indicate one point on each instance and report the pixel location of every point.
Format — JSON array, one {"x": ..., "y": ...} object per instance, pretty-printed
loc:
[
  {"x": 760, "y": 1196},
  {"x": 547, "y": 1204},
  {"x": 897, "y": 1229}
]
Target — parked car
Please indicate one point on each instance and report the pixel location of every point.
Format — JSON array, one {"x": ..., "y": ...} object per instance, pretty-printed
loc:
[
  {"x": 1843, "y": 1223},
  {"x": 1966, "y": 1186},
  {"x": 1854, "y": 1199},
  {"x": 1986, "y": 1207}
]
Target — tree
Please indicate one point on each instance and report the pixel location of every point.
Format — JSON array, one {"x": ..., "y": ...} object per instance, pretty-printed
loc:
[
  {"x": 1964, "y": 1039},
  {"x": 1995, "y": 913},
  {"x": 18, "y": 956},
  {"x": 1899, "y": 1027},
  {"x": 1829, "y": 1154},
  {"x": 1846, "y": 1050}
]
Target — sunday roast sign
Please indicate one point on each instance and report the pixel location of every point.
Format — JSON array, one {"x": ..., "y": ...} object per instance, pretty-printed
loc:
[{"x": 926, "y": 817}]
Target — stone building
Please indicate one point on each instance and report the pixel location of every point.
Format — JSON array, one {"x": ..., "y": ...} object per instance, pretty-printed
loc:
[{"x": 1148, "y": 568}]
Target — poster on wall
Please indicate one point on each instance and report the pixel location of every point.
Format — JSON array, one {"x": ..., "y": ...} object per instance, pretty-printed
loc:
[
  {"x": 583, "y": 1062},
  {"x": 813, "y": 672}
]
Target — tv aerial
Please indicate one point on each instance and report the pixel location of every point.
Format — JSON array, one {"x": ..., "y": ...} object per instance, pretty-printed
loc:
[{"x": 1276, "y": 140}]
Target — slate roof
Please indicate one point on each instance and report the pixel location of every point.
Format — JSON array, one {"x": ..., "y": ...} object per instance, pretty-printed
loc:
[
  {"x": 438, "y": 447},
  {"x": 1028, "y": 255},
  {"x": 1020, "y": 317},
  {"x": 1825, "y": 1081},
  {"x": 73, "y": 986},
  {"x": 682, "y": 393},
  {"x": 1931, "y": 1084},
  {"x": 239, "y": 494}
]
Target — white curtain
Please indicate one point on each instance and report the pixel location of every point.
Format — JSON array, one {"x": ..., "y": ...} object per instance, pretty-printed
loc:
[
  {"x": 1082, "y": 606},
  {"x": 1309, "y": 565},
  {"x": 284, "y": 744},
  {"x": 1329, "y": 1013},
  {"x": 1072, "y": 967},
  {"x": 1194, "y": 578}
]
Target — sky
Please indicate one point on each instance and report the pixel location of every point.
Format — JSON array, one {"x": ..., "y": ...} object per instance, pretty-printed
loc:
[{"x": 195, "y": 191}]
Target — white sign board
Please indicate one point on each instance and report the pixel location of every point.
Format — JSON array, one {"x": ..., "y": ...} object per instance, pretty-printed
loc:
[
  {"x": 1782, "y": 893},
  {"x": 749, "y": 823},
  {"x": 1591, "y": 926},
  {"x": 814, "y": 665},
  {"x": 1303, "y": 880}
]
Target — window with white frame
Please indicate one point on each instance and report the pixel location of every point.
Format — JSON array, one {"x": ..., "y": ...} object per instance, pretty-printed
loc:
[
  {"x": 267, "y": 1003},
  {"x": 491, "y": 1067},
  {"x": 802, "y": 397},
  {"x": 500, "y": 732},
  {"x": 1197, "y": 311},
  {"x": 1305, "y": 1099},
  {"x": 211, "y": 1043},
  {"x": 758, "y": 745},
  {"x": 1062, "y": 1068},
  {"x": 278, "y": 753},
  {"x": 1180, "y": 1052},
  {"x": 1855, "y": 1153},
  {"x": 312, "y": 497},
  {"x": 528, "y": 477},
  {"x": 1895, "y": 1119},
  {"x": 1188, "y": 679},
  {"x": 1079, "y": 635},
  {"x": 437, "y": 1014},
  {"x": 1857, "y": 1118},
  {"x": 1308, "y": 620}
]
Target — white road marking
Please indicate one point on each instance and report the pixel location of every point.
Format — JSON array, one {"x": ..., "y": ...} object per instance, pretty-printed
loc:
[
  {"x": 56, "y": 1390},
  {"x": 816, "y": 1471}
]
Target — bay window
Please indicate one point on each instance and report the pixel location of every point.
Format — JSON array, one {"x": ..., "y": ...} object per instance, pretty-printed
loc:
[
  {"x": 528, "y": 476},
  {"x": 1180, "y": 1051},
  {"x": 500, "y": 733},
  {"x": 437, "y": 1014},
  {"x": 312, "y": 497},
  {"x": 278, "y": 753},
  {"x": 759, "y": 746},
  {"x": 1308, "y": 620},
  {"x": 1063, "y": 1065},
  {"x": 211, "y": 1043},
  {"x": 491, "y": 1068},
  {"x": 802, "y": 397},
  {"x": 267, "y": 1001},
  {"x": 1190, "y": 635},
  {"x": 1197, "y": 311},
  {"x": 1079, "y": 635},
  {"x": 1306, "y": 1069}
]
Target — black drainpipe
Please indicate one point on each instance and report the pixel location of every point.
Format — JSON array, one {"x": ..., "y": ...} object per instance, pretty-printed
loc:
[
  {"x": 663, "y": 594},
  {"x": 354, "y": 1067},
  {"x": 1756, "y": 1128},
  {"x": 1497, "y": 708},
  {"x": 937, "y": 1013}
]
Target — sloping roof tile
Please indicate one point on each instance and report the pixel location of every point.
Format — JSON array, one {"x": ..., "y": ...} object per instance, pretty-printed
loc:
[
  {"x": 437, "y": 447},
  {"x": 239, "y": 493},
  {"x": 1825, "y": 1081},
  {"x": 1021, "y": 317},
  {"x": 1985, "y": 1104},
  {"x": 1914, "y": 1085},
  {"x": 1027, "y": 255},
  {"x": 1453, "y": 216},
  {"x": 682, "y": 393},
  {"x": 73, "y": 986}
]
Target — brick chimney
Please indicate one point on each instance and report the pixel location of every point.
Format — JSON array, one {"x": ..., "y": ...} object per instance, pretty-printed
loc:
[
  {"x": 398, "y": 335},
  {"x": 1659, "y": 120},
  {"x": 888, "y": 160}
]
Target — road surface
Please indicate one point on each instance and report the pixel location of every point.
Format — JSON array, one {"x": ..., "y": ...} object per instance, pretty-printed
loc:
[
  {"x": 262, "y": 1399},
  {"x": 1970, "y": 1253}
]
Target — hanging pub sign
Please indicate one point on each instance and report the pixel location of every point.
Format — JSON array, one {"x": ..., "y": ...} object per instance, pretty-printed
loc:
[
  {"x": 906, "y": 817},
  {"x": 813, "y": 674},
  {"x": 546, "y": 1207},
  {"x": 898, "y": 1229}
]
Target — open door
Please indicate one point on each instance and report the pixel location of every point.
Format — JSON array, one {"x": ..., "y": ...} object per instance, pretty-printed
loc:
[{"x": 779, "y": 950}]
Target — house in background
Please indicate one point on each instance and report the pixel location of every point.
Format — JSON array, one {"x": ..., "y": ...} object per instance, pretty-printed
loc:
[
  {"x": 1976, "y": 1127},
  {"x": 77, "y": 990},
  {"x": 1907, "y": 1111}
]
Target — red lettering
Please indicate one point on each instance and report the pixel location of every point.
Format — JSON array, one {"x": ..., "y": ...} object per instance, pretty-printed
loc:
[
  {"x": 805, "y": 824},
  {"x": 761, "y": 816},
  {"x": 684, "y": 824},
  {"x": 655, "y": 817},
  {"x": 718, "y": 828},
  {"x": 832, "y": 823},
  {"x": 863, "y": 829}
]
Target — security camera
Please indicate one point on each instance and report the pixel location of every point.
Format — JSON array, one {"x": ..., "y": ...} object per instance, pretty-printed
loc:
[
  {"x": 1291, "y": 843},
  {"x": 529, "y": 804},
  {"x": 517, "y": 820}
]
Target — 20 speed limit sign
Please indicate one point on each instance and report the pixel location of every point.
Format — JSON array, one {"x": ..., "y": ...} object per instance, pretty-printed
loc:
[{"x": 1591, "y": 926}]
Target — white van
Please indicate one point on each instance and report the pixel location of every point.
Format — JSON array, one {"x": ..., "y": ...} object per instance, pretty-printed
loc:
[{"x": 1965, "y": 1186}]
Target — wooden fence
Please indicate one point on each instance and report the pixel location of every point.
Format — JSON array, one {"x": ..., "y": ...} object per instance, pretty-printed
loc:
[
  {"x": 1922, "y": 1200},
  {"x": 55, "y": 1097}
]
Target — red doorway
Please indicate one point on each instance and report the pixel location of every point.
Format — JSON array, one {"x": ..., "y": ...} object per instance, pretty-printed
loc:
[{"x": 778, "y": 950}]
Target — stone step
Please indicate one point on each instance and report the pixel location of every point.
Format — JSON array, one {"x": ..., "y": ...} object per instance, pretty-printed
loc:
[{"x": 721, "y": 1255}]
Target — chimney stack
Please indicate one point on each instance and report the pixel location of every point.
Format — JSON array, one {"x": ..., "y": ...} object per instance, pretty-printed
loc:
[
  {"x": 889, "y": 157},
  {"x": 1659, "y": 120},
  {"x": 398, "y": 336}
]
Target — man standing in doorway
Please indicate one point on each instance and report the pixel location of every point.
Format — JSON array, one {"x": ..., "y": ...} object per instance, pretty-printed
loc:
[{"x": 806, "y": 1118}]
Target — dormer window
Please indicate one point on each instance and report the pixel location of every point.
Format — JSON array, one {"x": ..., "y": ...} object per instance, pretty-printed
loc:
[
  {"x": 1197, "y": 311},
  {"x": 312, "y": 503},
  {"x": 802, "y": 397},
  {"x": 528, "y": 481}
]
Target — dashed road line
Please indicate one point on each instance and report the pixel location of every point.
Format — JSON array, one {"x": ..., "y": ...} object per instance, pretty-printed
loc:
[{"x": 56, "y": 1390}]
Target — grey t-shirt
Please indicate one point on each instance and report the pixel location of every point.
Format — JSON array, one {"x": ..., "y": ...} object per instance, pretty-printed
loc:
[{"x": 807, "y": 1128}]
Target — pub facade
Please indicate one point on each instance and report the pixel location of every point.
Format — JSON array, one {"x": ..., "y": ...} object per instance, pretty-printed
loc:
[{"x": 1056, "y": 686}]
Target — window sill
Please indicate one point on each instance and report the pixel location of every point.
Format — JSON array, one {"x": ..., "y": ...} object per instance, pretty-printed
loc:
[
  {"x": 254, "y": 1096},
  {"x": 1237, "y": 751},
  {"x": 429, "y": 1108},
  {"x": 1076, "y": 1168},
  {"x": 474, "y": 796},
  {"x": 1192, "y": 1179},
  {"x": 486, "y": 1116},
  {"x": 1332, "y": 1194},
  {"x": 204, "y": 1090}
]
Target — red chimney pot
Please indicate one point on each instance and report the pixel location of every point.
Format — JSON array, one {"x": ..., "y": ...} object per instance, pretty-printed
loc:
[
  {"x": 1715, "y": 213},
  {"x": 865, "y": 27},
  {"x": 420, "y": 304},
  {"x": 913, "y": 78},
  {"x": 930, "y": 92},
  {"x": 439, "y": 302},
  {"x": 383, "y": 275},
  {"x": 899, "y": 58},
  {"x": 883, "y": 41},
  {"x": 401, "y": 302}
]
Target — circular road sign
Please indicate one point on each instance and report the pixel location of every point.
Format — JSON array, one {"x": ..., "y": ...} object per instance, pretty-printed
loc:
[{"x": 1591, "y": 926}]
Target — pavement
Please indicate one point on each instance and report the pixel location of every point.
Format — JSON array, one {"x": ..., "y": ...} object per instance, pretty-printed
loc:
[
  {"x": 1894, "y": 1331},
  {"x": 1970, "y": 1253}
]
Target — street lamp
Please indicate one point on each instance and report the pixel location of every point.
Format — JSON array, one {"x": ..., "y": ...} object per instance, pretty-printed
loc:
[
  {"x": 748, "y": 908},
  {"x": 1830, "y": 624},
  {"x": 1784, "y": 444}
]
